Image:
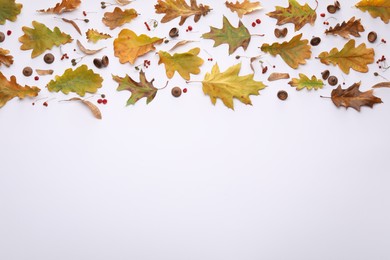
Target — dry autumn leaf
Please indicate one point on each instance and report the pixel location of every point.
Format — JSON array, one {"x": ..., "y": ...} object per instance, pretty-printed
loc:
[
  {"x": 294, "y": 52},
  {"x": 80, "y": 81},
  {"x": 180, "y": 43},
  {"x": 142, "y": 89},
  {"x": 87, "y": 51},
  {"x": 305, "y": 82},
  {"x": 228, "y": 85},
  {"x": 295, "y": 13},
  {"x": 277, "y": 76},
  {"x": 234, "y": 37},
  {"x": 179, "y": 8},
  {"x": 73, "y": 23},
  {"x": 64, "y": 6},
  {"x": 246, "y": 7},
  {"x": 352, "y": 27},
  {"x": 9, "y": 10},
  {"x": 44, "y": 72},
  {"x": 123, "y": 2},
  {"x": 95, "y": 36},
  {"x": 10, "y": 89},
  {"x": 6, "y": 59},
  {"x": 184, "y": 63},
  {"x": 376, "y": 8},
  {"x": 40, "y": 38},
  {"x": 350, "y": 57},
  {"x": 129, "y": 46},
  {"x": 353, "y": 97},
  {"x": 118, "y": 17},
  {"x": 382, "y": 85},
  {"x": 94, "y": 109}
]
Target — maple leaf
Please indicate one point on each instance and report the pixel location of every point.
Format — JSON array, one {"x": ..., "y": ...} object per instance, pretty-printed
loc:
[
  {"x": 80, "y": 81},
  {"x": 10, "y": 89},
  {"x": 6, "y": 59},
  {"x": 246, "y": 7},
  {"x": 350, "y": 57},
  {"x": 41, "y": 38},
  {"x": 353, "y": 97},
  {"x": 376, "y": 8},
  {"x": 118, "y": 17},
  {"x": 228, "y": 85},
  {"x": 294, "y": 52},
  {"x": 185, "y": 63},
  {"x": 142, "y": 89},
  {"x": 352, "y": 27},
  {"x": 64, "y": 6},
  {"x": 234, "y": 37},
  {"x": 179, "y": 8},
  {"x": 295, "y": 13},
  {"x": 95, "y": 36},
  {"x": 305, "y": 82},
  {"x": 129, "y": 46},
  {"x": 9, "y": 10}
]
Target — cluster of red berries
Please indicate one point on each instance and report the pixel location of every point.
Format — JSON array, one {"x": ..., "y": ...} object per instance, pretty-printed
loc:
[
  {"x": 382, "y": 59},
  {"x": 64, "y": 56},
  {"x": 210, "y": 59},
  {"x": 258, "y": 21},
  {"x": 146, "y": 63},
  {"x": 383, "y": 41},
  {"x": 102, "y": 100},
  {"x": 326, "y": 23},
  {"x": 189, "y": 28}
]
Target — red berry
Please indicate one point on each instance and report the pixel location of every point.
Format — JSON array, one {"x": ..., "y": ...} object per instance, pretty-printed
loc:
[
  {"x": 45, "y": 104},
  {"x": 322, "y": 15},
  {"x": 100, "y": 101},
  {"x": 36, "y": 78},
  {"x": 9, "y": 32},
  {"x": 185, "y": 90},
  {"x": 190, "y": 28},
  {"x": 104, "y": 101},
  {"x": 258, "y": 21},
  {"x": 265, "y": 69},
  {"x": 253, "y": 24},
  {"x": 84, "y": 13}
]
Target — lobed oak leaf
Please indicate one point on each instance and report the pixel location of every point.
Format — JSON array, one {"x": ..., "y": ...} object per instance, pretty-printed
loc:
[
  {"x": 118, "y": 17},
  {"x": 9, "y": 10},
  {"x": 40, "y": 38},
  {"x": 10, "y": 89},
  {"x": 129, "y": 46},
  {"x": 6, "y": 59},
  {"x": 179, "y": 8},
  {"x": 353, "y": 97},
  {"x": 352, "y": 27},
  {"x": 246, "y": 7},
  {"x": 64, "y": 6},
  {"x": 234, "y": 37},
  {"x": 142, "y": 89},
  {"x": 294, "y": 52},
  {"x": 95, "y": 36},
  {"x": 229, "y": 85},
  {"x": 305, "y": 82},
  {"x": 80, "y": 81},
  {"x": 184, "y": 63},
  {"x": 295, "y": 13},
  {"x": 350, "y": 57},
  {"x": 376, "y": 8}
]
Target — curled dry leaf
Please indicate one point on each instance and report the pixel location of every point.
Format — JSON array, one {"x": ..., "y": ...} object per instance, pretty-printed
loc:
[
  {"x": 64, "y": 6},
  {"x": 246, "y": 7},
  {"x": 382, "y": 85},
  {"x": 123, "y": 2},
  {"x": 6, "y": 59},
  {"x": 88, "y": 51},
  {"x": 95, "y": 36},
  {"x": 73, "y": 23},
  {"x": 94, "y": 109},
  {"x": 179, "y": 8},
  {"x": 352, "y": 27},
  {"x": 277, "y": 76},
  {"x": 118, "y": 17},
  {"x": 44, "y": 72},
  {"x": 180, "y": 43}
]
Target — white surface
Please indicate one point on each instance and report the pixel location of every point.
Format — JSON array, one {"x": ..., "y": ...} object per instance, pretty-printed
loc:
[{"x": 182, "y": 179}]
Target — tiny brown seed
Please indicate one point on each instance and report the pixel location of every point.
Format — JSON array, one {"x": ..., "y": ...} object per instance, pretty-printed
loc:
[
  {"x": 332, "y": 80},
  {"x": 48, "y": 58},
  {"x": 27, "y": 71},
  {"x": 174, "y": 32},
  {"x": 372, "y": 36},
  {"x": 282, "y": 95},
  {"x": 98, "y": 63},
  {"x": 284, "y": 32},
  {"x": 325, "y": 74},
  {"x": 2, "y": 36},
  {"x": 315, "y": 41},
  {"x": 277, "y": 33},
  {"x": 105, "y": 61},
  {"x": 176, "y": 92},
  {"x": 331, "y": 9}
]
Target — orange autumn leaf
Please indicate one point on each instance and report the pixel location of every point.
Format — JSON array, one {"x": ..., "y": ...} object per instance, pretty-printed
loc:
[
  {"x": 5, "y": 58},
  {"x": 352, "y": 27},
  {"x": 243, "y": 8},
  {"x": 376, "y": 8},
  {"x": 64, "y": 6},
  {"x": 118, "y": 17},
  {"x": 179, "y": 8}
]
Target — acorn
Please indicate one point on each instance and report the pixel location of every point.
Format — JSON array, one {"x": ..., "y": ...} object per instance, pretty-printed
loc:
[
  {"x": 2, "y": 36},
  {"x": 27, "y": 71},
  {"x": 315, "y": 41},
  {"x": 174, "y": 32},
  {"x": 331, "y": 9},
  {"x": 176, "y": 92},
  {"x": 332, "y": 80},
  {"x": 282, "y": 95},
  {"x": 105, "y": 61},
  {"x": 372, "y": 36},
  {"x": 98, "y": 63},
  {"x": 48, "y": 58},
  {"x": 280, "y": 33},
  {"x": 325, "y": 74}
]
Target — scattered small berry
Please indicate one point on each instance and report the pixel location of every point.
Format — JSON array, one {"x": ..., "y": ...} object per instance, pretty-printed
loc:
[
  {"x": 104, "y": 101},
  {"x": 9, "y": 32},
  {"x": 36, "y": 78},
  {"x": 100, "y": 101},
  {"x": 84, "y": 13},
  {"x": 189, "y": 28},
  {"x": 258, "y": 21},
  {"x": 45, "y": 104},
  {"x": 253, "y": 24},
  {"x": 322, "y": 14},
  {"x": 184, "y": 90}
]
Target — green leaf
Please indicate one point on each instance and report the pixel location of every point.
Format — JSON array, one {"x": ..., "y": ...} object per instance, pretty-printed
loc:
[
  {"x": 9, "y": 10},
  {"x": 234, "y": 37},
  {"x": 80, "y": 81},
  {"x": 305, "y": 82}
]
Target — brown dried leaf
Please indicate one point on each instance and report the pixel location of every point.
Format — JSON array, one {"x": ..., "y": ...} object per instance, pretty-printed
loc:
[
  {"x": 44, "y": 72},
  {"x": 64, "y": 6},
  {"x": 277, "y": 76},
  {"x": 243, "y": 8},
  {"x": 95, "y": 36},
  {"x": 382, "y": 85},
  {"x": 118, "y": 17},
  {"x": 88, "y": 51},
  {"x": 94, "y": 109},
  {"x": 181, "y": 43},
  {"x": 6, "y": 59},
  {"x": 74, "y": 24},
  {"x": 352, "y": 27}
]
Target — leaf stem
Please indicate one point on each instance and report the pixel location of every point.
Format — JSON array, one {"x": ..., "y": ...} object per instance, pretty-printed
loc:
[
  {"x": 325, "y": 97},
  {"x": 164, "y": 86},
  {"x": 192, "y": 81},
  {"x": 260, "y": 35}
]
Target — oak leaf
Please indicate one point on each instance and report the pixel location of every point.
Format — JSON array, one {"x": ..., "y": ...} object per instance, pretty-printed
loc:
[
  {"x": 234, "y": 37},
  {"x": 10, "y": 89},
  {"x": 246, "y": 7},
  {"x": 179, "y": 8},
  {"x": 376, "y": 8},
  {"x": 129, "y": 46},
  {"x": 9, "y": 10},
  {"x": 64, "y": 6},
  {"x": 294, "y": 52},
  {"x": 118, "y": 17},
  {"x": 80, "y": 81},
  {"x": 228, "y": 85},
  {"x": 295, "y": 13},
  {"x": 305, "y": 82},
  {"x": 353, "y": 97},
  {"x": 6, "y": 59},
  {"x": 95, "y": 36},
  {"x": 352, "y": 27},
  {"x": 142, "y": 89},
  {"x": 350, "y": 57},
  {"x": 40, "y": 38},
  {"x": 184, "y": 63}
]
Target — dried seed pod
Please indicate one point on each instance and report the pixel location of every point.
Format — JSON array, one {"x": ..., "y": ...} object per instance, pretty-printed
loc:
[
  {"x": 174, "y": 32},
  {"x": 2, "y": 36},
  {"x": 332, "y": 80},
  {"x": 315, "y": 41},
  {"x": 48, "y": 58},
  {"x": 277, "y": 33},
  {"x": 98, "y": 63},
  {"x": 282, "y": 95},
  {"x": 325, "y": 74},
  {"x": 372, "y": 36},
  {"x": 105, "y": 61},
  {"x": 176, "y": 92},
  {"x": 337, "y": 5},
  {"x": 27, "y": 71},
  {"x": 331, "y": 9}
]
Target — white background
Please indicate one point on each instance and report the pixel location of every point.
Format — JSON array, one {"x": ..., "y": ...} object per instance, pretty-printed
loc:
[{"x": 183, "y": 179}]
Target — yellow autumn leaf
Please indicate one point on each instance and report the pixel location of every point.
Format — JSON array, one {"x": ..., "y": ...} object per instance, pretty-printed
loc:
[
  {"x": 64, "y": 6},
  {"x": 376, "y": 8},
  {"x": 179, "y": 8},
  {"x": 5, "y": 58},
  {"x": 9, "y": 10},
  {"x": 229, "y": 85},
  {"x": 350, "y": 57},
  {"x": 305, "y": 82},
  {"x": 95, "y": 36},
  {"x": 119, "y": 17},
  {"x": 129, "y": 46},
  {"x": 184, "y": 63},
  {"x": 246, "y": 7}
]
